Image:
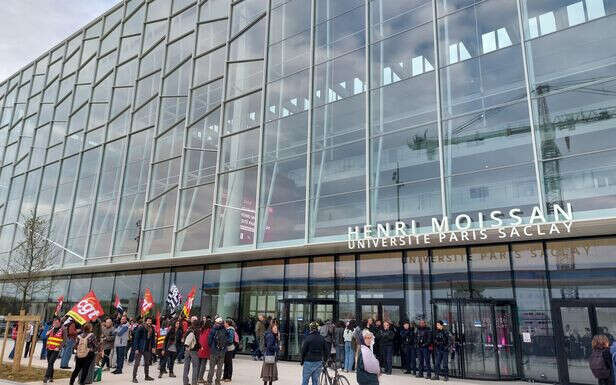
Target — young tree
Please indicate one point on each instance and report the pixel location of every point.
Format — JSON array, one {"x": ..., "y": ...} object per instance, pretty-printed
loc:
[{"x": 34, "y": 255}]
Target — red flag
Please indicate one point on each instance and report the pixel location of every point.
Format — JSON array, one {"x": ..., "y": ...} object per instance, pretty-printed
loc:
[
  {"x": 189, "y": 302},
  {"x": 147, "y": 303},
  {"x": 86, "y": 310},
  {"x": 157, "y": 322},
  {"x": 118, "y": 305},
  {"x": 59, "y": 305}
]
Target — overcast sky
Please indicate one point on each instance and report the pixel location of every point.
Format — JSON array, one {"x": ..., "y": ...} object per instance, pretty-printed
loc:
[{"x": 28, "y": 28}]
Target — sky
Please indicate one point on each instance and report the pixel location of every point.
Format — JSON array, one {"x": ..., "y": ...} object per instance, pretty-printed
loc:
[{"x": 28, "y": 28}]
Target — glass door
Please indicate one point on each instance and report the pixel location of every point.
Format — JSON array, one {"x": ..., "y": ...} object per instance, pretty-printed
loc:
[
  {"x": 575, "y": 323},
  {"x": 384, "y": 310},
  {"x": 478, "y": 341},
  {"x": 449, "y": 313}
]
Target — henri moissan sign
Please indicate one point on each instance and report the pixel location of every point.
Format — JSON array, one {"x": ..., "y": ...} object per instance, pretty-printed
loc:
[{"x": 463, "y": 228}]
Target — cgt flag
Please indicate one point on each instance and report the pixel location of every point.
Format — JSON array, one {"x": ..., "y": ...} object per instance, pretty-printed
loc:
[
  {"x": 86, "y": 310},
  {"x": 189, "y": 302},
  {"x": 59, "y": 305},
  {"x": 147, "y": 303}
]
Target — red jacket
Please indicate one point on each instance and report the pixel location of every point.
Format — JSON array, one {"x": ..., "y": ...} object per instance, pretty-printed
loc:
[{"x": 204, "y": 351}]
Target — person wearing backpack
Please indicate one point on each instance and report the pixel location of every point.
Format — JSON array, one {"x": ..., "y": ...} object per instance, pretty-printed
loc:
[
  {"x": 85, "y": 350},
  {"x": 218, "y": 341},
  {"x": 191, "y": 357},
  {"x": 600, "y": 360}
]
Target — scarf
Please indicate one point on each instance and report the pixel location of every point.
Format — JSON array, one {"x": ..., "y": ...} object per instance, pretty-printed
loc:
[{"x": 371, "y": 364}]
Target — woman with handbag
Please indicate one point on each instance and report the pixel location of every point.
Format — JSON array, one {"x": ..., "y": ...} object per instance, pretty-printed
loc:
[{"x": 269, "y": 370}]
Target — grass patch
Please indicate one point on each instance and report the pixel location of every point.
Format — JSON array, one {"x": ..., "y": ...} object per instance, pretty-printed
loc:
[{"x": 29, "y": 374}]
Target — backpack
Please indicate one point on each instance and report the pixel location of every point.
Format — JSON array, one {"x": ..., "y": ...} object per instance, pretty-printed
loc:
[
  {"x": 82, "y": 346},
  {"x": 220, "y": 340},
  {"x": 197, "y": 344},
  {"x": 597, "y": 365}
]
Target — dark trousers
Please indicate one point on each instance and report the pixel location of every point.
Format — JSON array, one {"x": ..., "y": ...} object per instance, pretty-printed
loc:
[
  {"x": 52, "y": 356},
  {"x": 120, "y": 357},
  {"x": 106, "y": 360},
  {"x": 424, "y": 360},
  {"x": 82, "y": 365},
  {"x": 27, "y": 349},
  {"x": 147, "y": 358},
  {"x": 387, "y": 351},
  {"x": 162, "y": 362},
  {"x": 44, "y": 349},
  {"x": 131, "y": 354},
  {"x": 411, "y": 358},
  {"x": 442, "y": 357},
  {"x": 228, "y": 372},
  {"x": 170, "y": 359}
]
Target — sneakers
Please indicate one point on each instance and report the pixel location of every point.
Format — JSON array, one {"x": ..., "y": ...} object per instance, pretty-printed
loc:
[
  {"x": 160, "y": 375},
  {"x": 45, "y": 380},
  {"x": 148, "y": 378},
  {"x": 135, "y": 381},
  {"x": 171, "y": 375}
]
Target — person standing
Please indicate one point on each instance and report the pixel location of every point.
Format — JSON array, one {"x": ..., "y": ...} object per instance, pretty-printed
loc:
[
  {"x": 339, "y": 341},
  {"x": 232, "y": 339},
  {"x": 348, "y": 345},
  {"x": 121, "y": 340},
  {"x": 407, "y": 347},
  {"x": 55, "y": 338},
  {"x": 422, "y": 341},
  {"x": 43, "y": 337},
  {"x": 600, "y": 360},
  {"x": 442, "y": 345},
  {"x": 71, "y": 336},
  {"x": 387, "y": 346},
  {"x": 143, "y": 345},
  {"x": 170, "y": 349},
  {"x": 368, "y": 366},
  {"x": 29, "y": 335},
  {"x": 314, "y": 352},
  {"x": 259, "y": 338},
  {"x": 204, "y": 348},
  {"x": 191, "y": 357},
  {"x": 107, "y": 340},
  {"x": 160, "y": 349},
  {"x": 217, "y": 342},
  {"x": 269, "y": 369},
  {"x": 87, "y": 346}
]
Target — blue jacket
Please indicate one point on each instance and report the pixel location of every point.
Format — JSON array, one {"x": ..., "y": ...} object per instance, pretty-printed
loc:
[
  {"x": 212, "y": 342},
  {"x": 142, "y": 341},
  {"x": 271, "y": 344}
]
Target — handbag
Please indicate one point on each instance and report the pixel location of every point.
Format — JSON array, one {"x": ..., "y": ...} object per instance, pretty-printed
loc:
[{"x": 269, "y": 359}]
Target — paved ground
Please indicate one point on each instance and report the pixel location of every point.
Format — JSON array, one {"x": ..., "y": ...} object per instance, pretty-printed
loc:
[{"x": 247, "y": 371}]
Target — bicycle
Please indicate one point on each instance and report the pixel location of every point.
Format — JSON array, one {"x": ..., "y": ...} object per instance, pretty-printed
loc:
[{"x": 336, "y": 379}]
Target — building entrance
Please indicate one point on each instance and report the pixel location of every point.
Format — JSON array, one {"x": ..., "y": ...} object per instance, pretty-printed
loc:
[
  {"x": 391, "y": 310},
  {"x": 485, "y": 333},
  {"x": 295, "y": 315},
  {"x": 575, "y": 323}
]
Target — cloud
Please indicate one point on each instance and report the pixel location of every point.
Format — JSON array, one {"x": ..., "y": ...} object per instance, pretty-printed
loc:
[{"x": 29, "y": 28}]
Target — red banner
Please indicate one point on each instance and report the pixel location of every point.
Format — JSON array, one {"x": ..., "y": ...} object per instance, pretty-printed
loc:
[
  {"x": 147, "y": 303},
  {"x": 59, "y": 305},
  {"x": 189, "y": 302},
  {"x": 86, "y": 310},
  {"x": 157, "y": 327}
]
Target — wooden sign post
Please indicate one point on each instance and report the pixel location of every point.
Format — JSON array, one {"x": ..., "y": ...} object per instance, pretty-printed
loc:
[{"x": 22, "y": 321}]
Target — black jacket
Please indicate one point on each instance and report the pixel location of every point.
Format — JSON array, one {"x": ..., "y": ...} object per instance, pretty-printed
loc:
[
  {"x": 424, "y": 337},
  {"x": 363, "y": 377},
  {"x": 314, "y": 348},
  {"x": 407, "y": 337},
  {"x": 339, "y": 336},
  {"x": 442, "y": 339},
  {"x": 387, "y": 337}
]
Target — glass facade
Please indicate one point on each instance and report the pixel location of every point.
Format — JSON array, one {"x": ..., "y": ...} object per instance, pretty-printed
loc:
[{"x": 180, "y": 129}]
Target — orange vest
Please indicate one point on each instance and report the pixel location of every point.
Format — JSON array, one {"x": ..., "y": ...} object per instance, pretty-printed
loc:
[
  {"x": 54, "y": 341},
  {"x": 160, "y": 341}
]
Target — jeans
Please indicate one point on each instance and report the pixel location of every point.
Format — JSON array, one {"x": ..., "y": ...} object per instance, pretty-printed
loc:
[
  {"x": 44, "y": 349},
  {"x": 12, "y": 353},
  {"x": 311, "y": 369},
  {"x": 228, "y": 371},
  {"x": 348, "y": 355},
  {"x": 147, "y": 357},
  {"x": 120, "y": 352},
  {"x": 180, "y": 352},
  {"x": 411, "y": 358},
  {"x": 67, "y": 352},
  {"x": 191, "y": 358},
  {"x": 52, "y": 355},
  {"x": 340, "y": 355},
  {"x": 106, "y": 360},
  {"x": 442, "y": 356},
  {"x": 170, "y": 359},
  {"x": 216, "y": 361},
  {"x": 202, "y": 366},
  {"x": 424, "y": 360},
  {"x": 82, "y": 366},
  {"x": 387, "y": 352}
]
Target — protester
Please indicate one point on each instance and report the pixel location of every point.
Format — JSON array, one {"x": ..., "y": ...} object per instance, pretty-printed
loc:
[
  {"x": 368, "y": 367},
  {"x": 71, "y": 337},
  {"x": 14, "y": 338},
  {"x": 442, "y": 346},
  {"x": 131, "y": 339},
  {"x": 144, "y": 347},
  {"x": 269, "y": 369},
  {"x": 160, "y": 348},
  {"x": 422, "y": 342},
  {"x": 121, "y": 333},
  {"x": 232, "y": 341},
  {"x": 387, "y": 346},
  {"x": 217, "y": 341},
  {"x": 87, "y": 346},
  {"x": 314, "y": 351},
  {"x": 43, "y": 337},
  {"x": 170, "y": 347},
  {"x": 600, "y": 360},
  {"x": 107, "y": 340},
  {"x": 191, "y": 358},
  {"x": 407, "y": 348},
  {"x": 339, "y": 342},
  {"x": 54, "y": 338},
  {"x": 204, "y": 348},
  {"x": 348, "y": 346}
]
